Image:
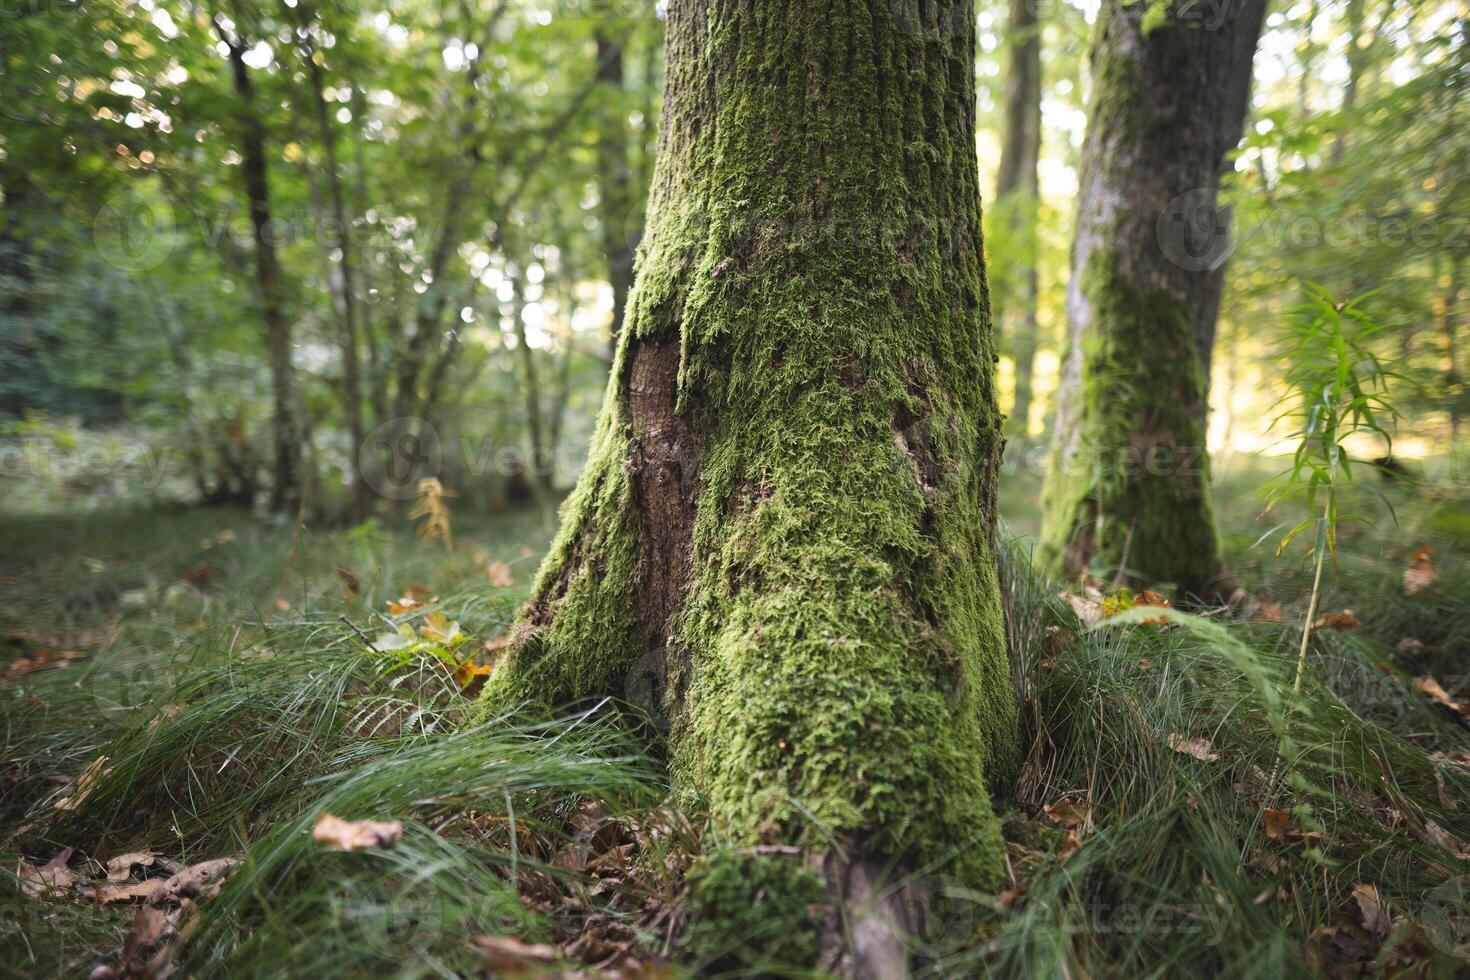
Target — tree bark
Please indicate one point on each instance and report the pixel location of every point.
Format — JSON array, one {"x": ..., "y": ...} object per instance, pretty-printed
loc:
[
  {"x": 1017, "y": 194},
  {"x": 285, "y": 414},
  {"x": 783, "y": 534},
  {"x": 1128, "y": 486}
]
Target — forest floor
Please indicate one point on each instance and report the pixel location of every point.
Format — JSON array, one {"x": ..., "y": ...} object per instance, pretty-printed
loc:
[{"x": 187, "y": 692}]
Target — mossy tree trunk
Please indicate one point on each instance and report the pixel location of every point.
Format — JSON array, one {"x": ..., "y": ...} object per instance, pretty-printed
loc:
[
  {"x": 1128, "y": 487},
  {"x": 1017, "y": 194},
  {"x": 785, "y": 523}
]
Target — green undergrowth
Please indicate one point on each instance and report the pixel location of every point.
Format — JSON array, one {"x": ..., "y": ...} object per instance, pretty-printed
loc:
[
  {"x": 1163, "y": 746},
  {"x": 1201, "y": 819}
]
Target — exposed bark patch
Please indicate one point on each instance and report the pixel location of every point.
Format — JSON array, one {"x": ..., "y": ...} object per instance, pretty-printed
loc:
[
  {"x": 850, "y": 373},
  {"x": 873, "y": 919},
  {"x": 911, "y": 435},
  {"x": 908, "y": 245},
  {"x": 663, "y": 467}
]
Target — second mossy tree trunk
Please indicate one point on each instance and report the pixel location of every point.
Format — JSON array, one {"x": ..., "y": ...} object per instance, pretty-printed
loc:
[
  {"x": 782, "y": 541},
  {"x": 1128, "y": 492}
]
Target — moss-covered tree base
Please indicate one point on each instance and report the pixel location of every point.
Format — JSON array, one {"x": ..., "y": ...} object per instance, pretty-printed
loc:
[
  {"x": 784, "y": 530},
  {"x": 1129, "y": 499}
]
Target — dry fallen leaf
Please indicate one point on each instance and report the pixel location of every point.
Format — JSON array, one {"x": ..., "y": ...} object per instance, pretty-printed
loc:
[
  {"x": 1071, "y": 845},
  {"x": 1420, "y": 574},
  {"x": 200, "y": 575},
  {"x": 406, "y": 603},
  {"x": 109, "y": 895},
  {"x": 439, "y": 627},
  {"x": 149, "y": 925},
  {"x": 498, "y": 572},
  {"x": 40, "y": 658},
  {"x": 1087, "y": 608},
  {"x": 1057, "y": 639},
  {"x": 1409, "y": 646},
  {"x": 1431, "y": 689},
  {"x": 1440, "y": 837},
  {"x": 84, "y": 785},
  {"x": 167, "y": 713},
  {"x": 413, "y": 597},
  {"x": 1148, "y": 598},
  {"x": 1199, "y": 748},
  {"x": 506, "y": 955},
  {"x": 1344, "y": 620},
  {"x": 120, "y": 867},
  {"x": 53, "y": 877},
  {"x": 1276, "y": 822},
  {"x": 198, "y": 880},
  {"x": 350, "y": 583},
  {"x": 349, "y": 835},
  {"x": 469, "y": 671},
  {"x": 1370, "y": 907},
  {"x": 1068, "y": 814}
]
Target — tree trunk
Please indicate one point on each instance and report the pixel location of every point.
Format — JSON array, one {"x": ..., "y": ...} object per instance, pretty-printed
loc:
[
  {"x": 784, "y": 527},
  {"x": 557, "y": 414},
  {"x": 1450, "y": 319},
  {"x": 1357, "y": 59},
  {"x": 619, "y": 237},
  {"x": 1129, "y": 476},
  {"x": 1306, "y": 60},
  {"x": 1017, "y": 192},
  {"x": 541, "y": 470},
  {"x": 346, "y": 272},
  {"x": 285, "y": 414}
]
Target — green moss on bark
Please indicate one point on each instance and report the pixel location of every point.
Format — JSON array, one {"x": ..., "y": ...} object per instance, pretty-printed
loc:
[
  {"x": 1135, "y": 495},
  {"x": 816, "y": 493},
  {"x": 753, "y": 914},
  {"x": 1128, "y": 487},
  {"x": 579, "y": 635}
]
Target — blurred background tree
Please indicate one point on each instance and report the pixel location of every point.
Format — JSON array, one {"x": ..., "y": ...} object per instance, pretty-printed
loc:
[{"x": 456, "y": 196}]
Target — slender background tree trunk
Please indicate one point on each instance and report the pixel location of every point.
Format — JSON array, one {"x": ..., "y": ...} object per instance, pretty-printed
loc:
[
  {"x": 345, "y": 270},
  {"x": 1017, "y": 196},
  {"x": 530, "y": 386},
  {"x": 783, "y": 531},
  {"x": 619, "y": 237},
  {"x": 1129, "y": 476},
  {"x": 286, "y": 412}
]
